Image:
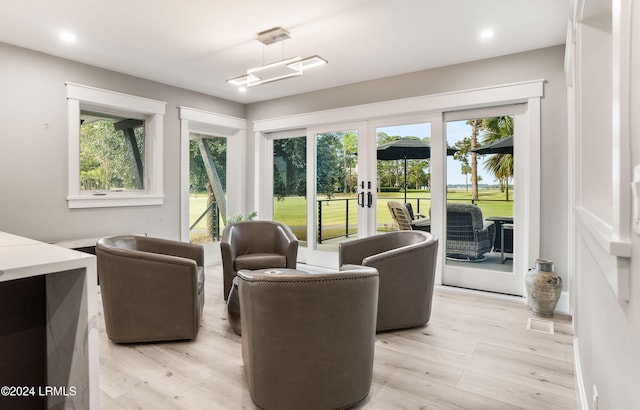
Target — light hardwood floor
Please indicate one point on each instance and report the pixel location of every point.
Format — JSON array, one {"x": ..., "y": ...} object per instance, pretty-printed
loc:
[{"x": 475, "y": 353}]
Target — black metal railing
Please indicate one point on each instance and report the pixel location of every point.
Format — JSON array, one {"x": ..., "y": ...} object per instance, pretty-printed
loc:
[
  {"x": 337, "y": 218},
  {"x": 215, "y": 227},
  {"x": 334, "y": 220}
]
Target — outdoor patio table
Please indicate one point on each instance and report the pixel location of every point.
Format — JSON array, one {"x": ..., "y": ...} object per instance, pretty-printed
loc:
[
  {"x": 499, "y": 239},
  {"x": 506, "y": 228}
]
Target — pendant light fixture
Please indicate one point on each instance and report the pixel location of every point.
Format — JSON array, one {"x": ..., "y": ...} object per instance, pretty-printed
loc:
[{"x": 278, "y": 70}]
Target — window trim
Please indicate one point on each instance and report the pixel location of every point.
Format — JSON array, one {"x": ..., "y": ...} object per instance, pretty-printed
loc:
[
  {"x": 92, "y": 98},
  {"x": 219, "y": 125}
]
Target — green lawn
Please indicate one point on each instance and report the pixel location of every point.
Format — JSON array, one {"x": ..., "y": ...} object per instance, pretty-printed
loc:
[
  {"x": 197, "y": 205},
  {"x": 293, "y": 210},
  {"x": 491, "y": 201}
]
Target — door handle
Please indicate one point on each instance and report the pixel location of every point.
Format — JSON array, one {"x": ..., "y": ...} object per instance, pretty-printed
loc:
[
  {"x": 361, "y": 199},
  {"x": 369, "y": 199}
]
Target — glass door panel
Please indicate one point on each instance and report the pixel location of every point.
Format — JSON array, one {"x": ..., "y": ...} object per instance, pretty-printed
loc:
[
  {"x": 290, "y": 185},
  {"x": 480, "y": 203},
  {"x": 336, "y": 188},
  {"x": 403, "y": 173},
  {"x": 207, "y": 187}
]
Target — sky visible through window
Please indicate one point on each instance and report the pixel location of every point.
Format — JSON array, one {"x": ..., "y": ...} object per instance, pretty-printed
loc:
[{"x": 456, "y": 130}]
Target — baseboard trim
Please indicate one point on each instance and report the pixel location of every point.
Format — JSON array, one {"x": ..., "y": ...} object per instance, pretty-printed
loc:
[
  {"x": 580, "y": 391},
  {"x": 564, "y": 304},
  {"x": 493, "y": 295}
]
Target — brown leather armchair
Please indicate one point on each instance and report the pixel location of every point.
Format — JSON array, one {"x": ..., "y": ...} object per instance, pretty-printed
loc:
[
  {"x": 406, "y": 261},
  {"x": 308, "y": 339},
  {"x": 152, "y": 289},
  {"x": 256, "y": 245}
]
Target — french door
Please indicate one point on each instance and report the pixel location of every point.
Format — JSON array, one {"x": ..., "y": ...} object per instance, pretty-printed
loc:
[
  {"x": 484, "y": 227},
  {"x": 329, "y": 187},
  {"x": 340, "y": 190},
  {"x": 401, "y": 177}
]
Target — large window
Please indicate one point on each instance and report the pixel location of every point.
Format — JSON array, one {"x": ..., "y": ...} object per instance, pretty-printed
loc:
[
  {"x": 115, "y": 148},
  {"x": 111, "y": 152}
]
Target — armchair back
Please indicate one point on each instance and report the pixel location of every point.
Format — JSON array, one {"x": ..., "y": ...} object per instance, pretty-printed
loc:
[
  {"x": 406, "y": 262},
  {"x": 256, "y": 245},
  {"x": 152, "y": 289}
]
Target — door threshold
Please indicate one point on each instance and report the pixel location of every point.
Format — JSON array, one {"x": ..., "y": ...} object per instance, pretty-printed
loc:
[{"x": 485, "y": 293}]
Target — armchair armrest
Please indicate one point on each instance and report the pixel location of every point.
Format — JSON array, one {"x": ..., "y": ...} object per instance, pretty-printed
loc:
[
  {"x": 228, "y": 252},
  {"x": 354, "y": 252},
  {"x": 488, "y": 231},
  {"x": 393, "y": 258},
  {"x": 285, "y": 240},
  {"x": 487, "y": 224},
  {"x": 173, "y": 248}
]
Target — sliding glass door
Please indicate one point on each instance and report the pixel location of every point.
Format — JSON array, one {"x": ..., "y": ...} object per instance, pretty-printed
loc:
[{"x": 481, "y": 202}]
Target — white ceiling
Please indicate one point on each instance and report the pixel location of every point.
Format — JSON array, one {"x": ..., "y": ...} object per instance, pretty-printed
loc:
[{"x": 199, "y": 44}]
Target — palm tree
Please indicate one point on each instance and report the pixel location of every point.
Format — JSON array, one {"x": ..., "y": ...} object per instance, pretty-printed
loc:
[
  {"x": 496, "y": 128},
  {"x": 476, "y": 127},
  {"x": 500, "y": 165}
]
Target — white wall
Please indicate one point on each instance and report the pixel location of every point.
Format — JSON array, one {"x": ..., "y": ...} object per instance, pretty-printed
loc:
[
  {"x": 539, "y": 64},
  {"x": 606, "y": 326},
  {"x": 33, "y": 149}
]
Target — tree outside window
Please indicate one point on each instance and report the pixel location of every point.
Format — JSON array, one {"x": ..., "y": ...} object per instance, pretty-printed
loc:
[{"x": 112, "y": 152}]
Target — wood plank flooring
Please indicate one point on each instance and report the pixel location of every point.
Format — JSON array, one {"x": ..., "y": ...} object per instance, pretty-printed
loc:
[{"x": 476, "y": 353}]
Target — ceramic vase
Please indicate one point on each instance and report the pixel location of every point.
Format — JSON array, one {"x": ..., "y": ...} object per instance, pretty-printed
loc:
[{"x": 543, "y": 288}]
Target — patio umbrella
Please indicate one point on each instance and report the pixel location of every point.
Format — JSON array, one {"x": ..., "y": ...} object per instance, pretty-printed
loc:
[
  {"x": 503, "y": 146},
  {"x": 404, "y": 148}
]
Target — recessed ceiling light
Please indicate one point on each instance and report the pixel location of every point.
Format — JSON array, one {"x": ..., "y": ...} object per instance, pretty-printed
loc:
[
  {"x": 68, "y": 37},
  {"x": 486, "y": 34}
]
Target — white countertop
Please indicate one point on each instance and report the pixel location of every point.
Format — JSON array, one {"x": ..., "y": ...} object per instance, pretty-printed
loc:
[{"x": 22, "y": 257}]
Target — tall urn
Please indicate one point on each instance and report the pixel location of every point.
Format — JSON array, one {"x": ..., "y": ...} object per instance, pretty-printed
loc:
[{"x": 543, "y": 288}]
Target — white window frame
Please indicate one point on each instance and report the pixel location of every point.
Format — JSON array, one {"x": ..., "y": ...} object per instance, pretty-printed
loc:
[
  {"x": 96, "y": 99},
  {"x": 215, "y": 125}
]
